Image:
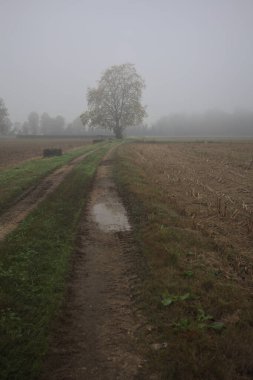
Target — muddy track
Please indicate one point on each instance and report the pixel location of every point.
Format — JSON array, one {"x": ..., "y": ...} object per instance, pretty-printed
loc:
[
  {"x": 96, "y": 334},
  {"x": 34, "y": 195}
]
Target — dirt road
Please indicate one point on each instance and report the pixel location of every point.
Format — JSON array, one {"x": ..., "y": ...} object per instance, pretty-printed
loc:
[
  {"x": 95, "y": 337},
  {"x": 33, "y": 196}
]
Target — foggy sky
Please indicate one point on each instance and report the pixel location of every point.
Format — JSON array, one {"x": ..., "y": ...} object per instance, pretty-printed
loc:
[{"x": 193, "y": 54}]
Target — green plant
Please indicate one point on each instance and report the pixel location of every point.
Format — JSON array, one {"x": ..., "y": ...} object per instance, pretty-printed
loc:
[
  {"x": 189, "y": 274},
  {"x": 202, "y": 316},
  {"x": 168, "y": 300},
  {"x": 182, "y": 325},
  {"x": 218, "y": 326}
]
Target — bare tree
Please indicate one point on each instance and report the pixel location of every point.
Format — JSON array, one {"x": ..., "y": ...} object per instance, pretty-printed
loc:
[
  {"x": 5, "y": 123},
  {"x": 52, "y": 125},
  {"x": 116, "y": 102},
  {"x": 34, "y": 123},
  {"x": 45, "y": 123},
  {"x": 58, "y": 124}
]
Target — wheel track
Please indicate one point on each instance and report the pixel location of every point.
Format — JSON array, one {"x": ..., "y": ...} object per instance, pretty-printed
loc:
[
  {"x": 32, "y": 197},
  {"x": 97, "y": 333}
]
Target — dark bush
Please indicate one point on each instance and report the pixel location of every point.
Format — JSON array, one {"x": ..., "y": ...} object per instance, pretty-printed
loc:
[{"x": 52, "y": 152}]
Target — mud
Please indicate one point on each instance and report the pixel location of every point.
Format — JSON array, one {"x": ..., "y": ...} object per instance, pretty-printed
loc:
[
  {"x": 96, "y": 334},
  {"x": 33, "y": 196},
  {"x": 107, "y": 210}
]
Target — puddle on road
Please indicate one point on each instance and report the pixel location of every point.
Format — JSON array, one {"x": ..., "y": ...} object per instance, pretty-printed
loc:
[{"x": 110, "y": 217}]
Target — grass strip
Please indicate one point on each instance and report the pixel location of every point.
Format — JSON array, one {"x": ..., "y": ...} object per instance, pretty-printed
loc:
[
  {"x": 14, "y": 181},
  {"x": 33, "y": 266},
  {"x": 201, "y": 319}
]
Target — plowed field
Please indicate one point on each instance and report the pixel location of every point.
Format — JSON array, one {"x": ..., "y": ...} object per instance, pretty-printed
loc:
[
  {"x": 211, "y": 183},
  {"x": 191, "y": 210},
  {"x": 14, "y": 151}
]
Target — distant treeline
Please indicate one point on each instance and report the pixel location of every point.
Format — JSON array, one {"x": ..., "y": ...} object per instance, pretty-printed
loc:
[
  {"x": 211, "y": 124},
  {"x": 45, "y": 125},
  {"x": 214, "y": 124}
]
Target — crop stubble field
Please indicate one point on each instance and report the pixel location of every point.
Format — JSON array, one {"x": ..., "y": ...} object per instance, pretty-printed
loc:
[
  {"x": 16, "y": 150},
  {"x": 191, "y": 207},
  {"x": 211, "y": 183}
]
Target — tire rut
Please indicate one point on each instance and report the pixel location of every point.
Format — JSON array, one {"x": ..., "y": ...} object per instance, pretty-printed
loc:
[
  {"x": 31, "y": 198},
  {"x": 96, "y": 334}
]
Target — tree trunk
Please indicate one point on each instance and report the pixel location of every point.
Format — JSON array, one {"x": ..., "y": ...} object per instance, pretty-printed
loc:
[{"x": 117, "y": 131}]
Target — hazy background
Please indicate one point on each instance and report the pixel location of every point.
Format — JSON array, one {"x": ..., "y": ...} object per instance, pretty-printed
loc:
[{"x": 193, "y": 54}]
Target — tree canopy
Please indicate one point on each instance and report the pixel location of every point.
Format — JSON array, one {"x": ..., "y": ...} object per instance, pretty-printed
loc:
[{"x": 115, "y": 103}]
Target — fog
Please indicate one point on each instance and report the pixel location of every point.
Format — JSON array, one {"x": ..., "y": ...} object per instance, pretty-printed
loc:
[{"x": 194, "y": 55}]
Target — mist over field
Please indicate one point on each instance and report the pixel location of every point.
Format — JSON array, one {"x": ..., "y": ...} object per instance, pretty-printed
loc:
[
  {"x": 195, "y": 56},
  {"x": 126, "y": 177}
]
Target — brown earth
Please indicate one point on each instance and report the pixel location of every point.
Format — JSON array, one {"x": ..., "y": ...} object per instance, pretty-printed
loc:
[
  {"x": 96, "y": 334},
  {"x": 13, "y": 151},
  {"x": 211, "y": 184},
  {"x": 33, "y": 196},
  {"x": 191, "y": 205}
]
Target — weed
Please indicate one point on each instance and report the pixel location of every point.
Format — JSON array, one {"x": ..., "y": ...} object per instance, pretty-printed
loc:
[
  {"x": 218, "y": 326},
  {"x": 189, "y": 274},
  {"x": 202, "y": 317},
  {"x": 168, "y": 300},
  {"x": 182, "y": 325}
]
